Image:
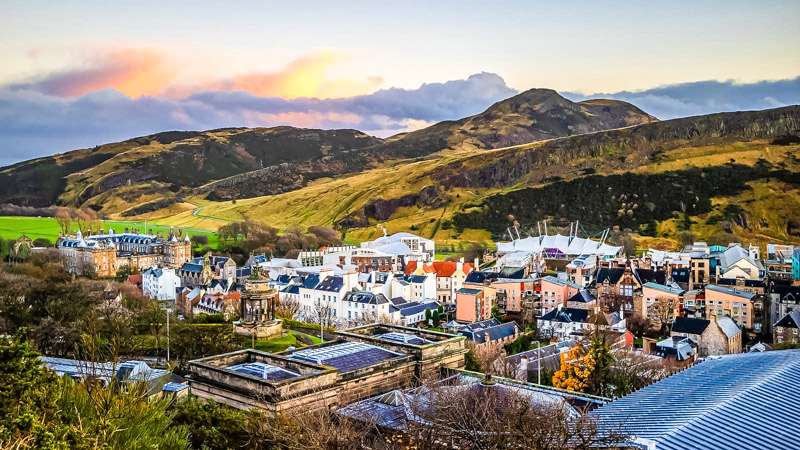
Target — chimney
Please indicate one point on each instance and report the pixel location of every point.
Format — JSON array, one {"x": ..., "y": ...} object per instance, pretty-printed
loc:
[
  {"x": 460, "y": 265},
  {"x": 325, "y": 273},
  {"x": 476, "y": 264}
]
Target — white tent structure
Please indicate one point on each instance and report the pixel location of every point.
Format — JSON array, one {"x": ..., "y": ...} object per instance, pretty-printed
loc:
[{"x": 558, "y": 245}]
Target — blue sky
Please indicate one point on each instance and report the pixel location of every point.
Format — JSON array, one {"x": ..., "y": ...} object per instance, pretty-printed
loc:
[{"x": 80, "y": 74}]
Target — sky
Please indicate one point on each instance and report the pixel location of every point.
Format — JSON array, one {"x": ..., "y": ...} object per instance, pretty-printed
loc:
[{"x": 79, "y": 74}]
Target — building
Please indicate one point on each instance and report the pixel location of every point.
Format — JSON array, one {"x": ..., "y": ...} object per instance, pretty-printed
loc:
[
  {"x": 472, "y": 306},
  {"x": 749, "y": 400},
  {"x": 787, "y": 328},
  {"x": 718, "y": 336},
  {"x": 738, "y": 305},
  {"x": 736, "y": 262},
  {"x": 363, "y": 307},
  {"x": 450, "y": 276},
  {"x": 783, "y": 300},
  {"x": 364, "y": 260},
  {"x": 652, "y": 294},
  {"x": 583, "y": 300},
  {"x": 105, "y": 254},
  {"x": 406, "y": 246},
  {"x": 158, "y": 382},
  {"x": 615, "y": 287},
  {"x": 679, "y": 351},
  {"x": 796, "y": 265},
  {"x": 397, "y": 411},
  {"x": 490, "y": 333},
  {"x": 214, "y": 303},
  {"x": 513, "y": 293},
  {"x": 360, "y": 363},
  {"x": 564, "y": 323},
  {"x": 555, "y": 292},
  {"x": 160, "y": 284},
  {"x": 410, "y": 313}
]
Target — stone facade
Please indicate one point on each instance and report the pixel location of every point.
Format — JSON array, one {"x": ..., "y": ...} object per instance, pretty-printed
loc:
[{"x": 314, "y": 385}]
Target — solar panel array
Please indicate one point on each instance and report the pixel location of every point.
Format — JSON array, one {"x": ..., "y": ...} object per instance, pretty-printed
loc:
[
  {"x": 265, "y": 371},
  {"x": 739, "y": 401},
  {"x": 405, "y": 338},
  {"x": 346, "y": 356}
]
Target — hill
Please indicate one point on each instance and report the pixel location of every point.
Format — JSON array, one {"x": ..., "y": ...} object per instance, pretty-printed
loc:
[
  {"x": 730, "y": 176},
  {"x": 153, "y": 172}
]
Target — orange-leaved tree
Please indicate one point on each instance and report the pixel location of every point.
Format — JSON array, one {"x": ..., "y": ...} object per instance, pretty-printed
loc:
[{"x": 575, "y": 370}]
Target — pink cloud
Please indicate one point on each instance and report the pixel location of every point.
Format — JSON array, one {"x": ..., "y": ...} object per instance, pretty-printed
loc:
[{"x": 132, "y": 72}]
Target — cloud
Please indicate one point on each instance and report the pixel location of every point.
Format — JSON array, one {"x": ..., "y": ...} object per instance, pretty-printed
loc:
[
  {"x": 35, "y": 123},
  {"x": 305, "y": 77},
  {"x": 706, "y": 97},
  {"x": 132, "y": 72}
]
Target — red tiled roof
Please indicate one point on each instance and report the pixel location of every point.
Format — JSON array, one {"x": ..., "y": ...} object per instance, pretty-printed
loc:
[
  {"x": 442, "y": 268},
  {"x": 135, "y": 279}
]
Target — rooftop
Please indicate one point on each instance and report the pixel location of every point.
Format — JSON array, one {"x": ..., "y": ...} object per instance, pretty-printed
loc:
[
  {"x": 724, "y": 290},
  {"x": 720, "y": 403},
  {"x": 345, "y": 356}
]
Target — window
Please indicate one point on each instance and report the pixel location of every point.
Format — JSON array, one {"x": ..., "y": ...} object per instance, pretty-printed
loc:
[
  {"x": 719, "y": 311},
  {"x": 735, "y": 304}
]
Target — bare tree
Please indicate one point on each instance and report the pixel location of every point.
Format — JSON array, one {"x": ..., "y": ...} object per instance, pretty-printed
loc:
[
  {"x": 324, "y": 314},
  {"x": 288, "y": 308},
  {"x": 64, "y": 221},
  {"x": 489, "y": 415},
  {"x": 665, "y": 308},
  {"x": 634, "y": 370},
  {"x": 492, "y": 359}
]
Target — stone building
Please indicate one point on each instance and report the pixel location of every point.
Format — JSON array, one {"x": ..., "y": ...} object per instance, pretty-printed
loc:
[
  {"x": 718, "y": 336},
  {"x": 787, "y": 329},
  {"x": 361, "y": 362},
  {"x": 107, "y": 253}
]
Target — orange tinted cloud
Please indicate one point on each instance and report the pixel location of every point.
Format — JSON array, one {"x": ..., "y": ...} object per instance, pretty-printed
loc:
[
  {"x": 305, "y": 77},
  {"x": 132, "y": 72}
]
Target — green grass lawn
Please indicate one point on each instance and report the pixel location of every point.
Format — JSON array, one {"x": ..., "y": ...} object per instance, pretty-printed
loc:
[
  {"x": 47, "y": 228},
  {"x": 290, "y": 338}
]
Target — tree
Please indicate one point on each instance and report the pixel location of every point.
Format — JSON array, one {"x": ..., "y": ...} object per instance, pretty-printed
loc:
[
  {"x": 199, "y": 240},
  {"x": 685, "y": 238},
  {"x": 665, "y": 308},
  {"x": 28, "y": 395},
  {"x": 575, "y": 370},
  {"x": 632, "y": 371},
  {"x": 64, "y": 221},
  {"x": 600, "y": 378},
  {"x": 475, "y": 250},
  {"x": 497, "y": 314},
  {"x": 287, "y": 308},
  {"x": 435, "y": 318},
  {"x": 638, "y": 325}
]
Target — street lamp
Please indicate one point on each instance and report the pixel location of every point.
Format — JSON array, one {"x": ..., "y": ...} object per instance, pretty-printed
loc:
[{"x": 168, "y": 311}]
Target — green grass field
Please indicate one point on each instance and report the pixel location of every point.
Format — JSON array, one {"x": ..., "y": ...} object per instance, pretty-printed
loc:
[
  {"x": 291, "y": 338},
  {"x": 47, "y": 228}
]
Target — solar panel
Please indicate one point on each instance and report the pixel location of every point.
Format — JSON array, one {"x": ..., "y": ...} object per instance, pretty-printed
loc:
[
  {"x": 265, "y": 371},
  {"x": 346, "y": 356}
]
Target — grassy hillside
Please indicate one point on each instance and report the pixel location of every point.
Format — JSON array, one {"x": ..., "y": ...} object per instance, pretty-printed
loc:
[
  {"x": 734, "y": 187},
  {"x": 138, "y": 176}
]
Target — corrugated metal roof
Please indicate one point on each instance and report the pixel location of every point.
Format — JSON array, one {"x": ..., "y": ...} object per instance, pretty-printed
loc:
[{"x": 748, "y": 400}]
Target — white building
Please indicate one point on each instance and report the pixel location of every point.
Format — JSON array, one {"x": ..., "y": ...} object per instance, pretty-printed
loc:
[
  {"x": 325, "y": 290},
  {"x": 406, "y": 245},
  {"x": 160, "y": 284}
]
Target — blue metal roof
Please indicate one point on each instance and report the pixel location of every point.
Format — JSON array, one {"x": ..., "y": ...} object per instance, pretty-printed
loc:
[{"x": 748, "y": 400}]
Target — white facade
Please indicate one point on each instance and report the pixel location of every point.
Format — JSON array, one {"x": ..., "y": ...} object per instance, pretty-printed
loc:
[{"x": 160, "y": 284}]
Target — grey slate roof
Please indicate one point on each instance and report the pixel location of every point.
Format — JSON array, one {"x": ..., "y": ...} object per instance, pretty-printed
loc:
[
  {"x": 690, "y": 326},
  {"x": 496, "y": 332},
  {"x": 791, "y": 320},
  {"x": 728, "y": 326},
  {"x": 567, "y": 315},
  {"x": 583, "y": 296},
  {"x": 712, "y": 287},
  {"x": 747, "y": 400}
]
